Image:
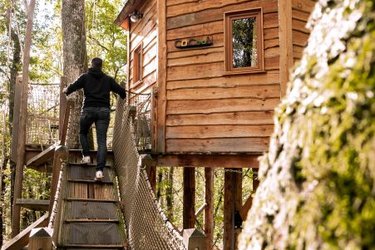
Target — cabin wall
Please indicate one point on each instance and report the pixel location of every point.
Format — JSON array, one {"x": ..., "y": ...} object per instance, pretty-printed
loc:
[
  {"x": 301, "y": 10},
  {"x": 208, "y": 110},
  {"x": 144, "y": 33}
]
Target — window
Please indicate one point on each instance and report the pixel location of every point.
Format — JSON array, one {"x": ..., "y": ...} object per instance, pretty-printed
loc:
[
  {"x": 244, "y": 41},
  {"x": 137, "y": 64}
]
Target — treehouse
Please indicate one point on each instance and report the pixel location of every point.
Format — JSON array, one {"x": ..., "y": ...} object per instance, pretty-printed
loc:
[
  {"x": 216, "y": 71},
  {"x": 204, "y": 77},
  {"x": 212, "y": 72}
]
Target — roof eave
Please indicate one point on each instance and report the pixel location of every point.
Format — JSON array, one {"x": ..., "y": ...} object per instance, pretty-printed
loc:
[{"x": 129, "y": 7}]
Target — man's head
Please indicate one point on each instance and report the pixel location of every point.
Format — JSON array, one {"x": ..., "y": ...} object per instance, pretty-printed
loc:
[{"x": 97, "y": 63}]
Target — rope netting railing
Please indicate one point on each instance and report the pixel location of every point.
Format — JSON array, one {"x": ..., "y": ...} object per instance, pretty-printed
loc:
[
  {"x": 142, "y": 120},
  {"x": 148, "y": 227},
  {"x": 43, "y": 114}
]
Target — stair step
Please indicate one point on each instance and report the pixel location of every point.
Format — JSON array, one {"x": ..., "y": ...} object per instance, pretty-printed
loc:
[
  {"x": 87, "y": 173},
  {"x": 90, "y": 181},
  {"x": 91, "y": 190},
  {"x": 83, "y": 220},
  {"x": 92, "y": 233},
  {"x": 96, "y": 247},
  {"x": 91, "y": 200},
  {"x": 84, "y": 209},
  {"x": 90, "y": 165}
]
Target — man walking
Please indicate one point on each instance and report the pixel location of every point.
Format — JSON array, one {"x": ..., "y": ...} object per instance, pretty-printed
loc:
[{"x": 96, "y": 109}]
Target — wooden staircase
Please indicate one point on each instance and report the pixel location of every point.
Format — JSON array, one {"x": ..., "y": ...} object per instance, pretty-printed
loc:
[{"x": 89, "y": 216}]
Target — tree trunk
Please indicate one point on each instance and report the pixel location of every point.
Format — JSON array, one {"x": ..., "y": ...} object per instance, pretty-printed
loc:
[
  {"x": 317, "y": 181},
  {"x": 14, "y": 68},
  {"x": 22, "y": 119},
  {"x": 75, "y": 58}
]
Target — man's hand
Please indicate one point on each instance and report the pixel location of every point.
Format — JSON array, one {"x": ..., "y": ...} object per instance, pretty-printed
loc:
[{"x": 65, "y": 90}]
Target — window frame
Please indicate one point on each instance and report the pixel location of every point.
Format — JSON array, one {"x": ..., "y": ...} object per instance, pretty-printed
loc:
[
  {"x": 228, "y": 44},
  {"x": 137, "y": 64}
]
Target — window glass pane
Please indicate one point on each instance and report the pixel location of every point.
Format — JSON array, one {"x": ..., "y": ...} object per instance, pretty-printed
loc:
[{"x": 244, "y": 42}]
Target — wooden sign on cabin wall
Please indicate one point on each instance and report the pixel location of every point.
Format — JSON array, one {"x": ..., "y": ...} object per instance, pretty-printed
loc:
[{"x": 194, "y": 42}]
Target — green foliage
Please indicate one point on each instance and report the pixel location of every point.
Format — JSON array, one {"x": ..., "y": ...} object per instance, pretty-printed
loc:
[
  {"x": 104, "y": 38},
  {"x": 176, "y": 218},
  {"x": 318, "y": 179}
]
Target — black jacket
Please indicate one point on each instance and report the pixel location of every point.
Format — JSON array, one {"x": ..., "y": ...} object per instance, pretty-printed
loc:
[{"x": 96, "y": 88}]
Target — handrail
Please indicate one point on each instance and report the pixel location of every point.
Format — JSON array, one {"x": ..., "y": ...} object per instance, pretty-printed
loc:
[
  {"x": 65, "y": 123},
  {"x": 60, "y": 159}
]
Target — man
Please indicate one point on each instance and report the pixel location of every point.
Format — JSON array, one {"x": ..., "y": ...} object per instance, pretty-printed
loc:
[{"x": 96, "y": 109}]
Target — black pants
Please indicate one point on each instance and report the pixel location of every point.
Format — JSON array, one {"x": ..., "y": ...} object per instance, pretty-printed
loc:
[{"x": 99, "y": 116}]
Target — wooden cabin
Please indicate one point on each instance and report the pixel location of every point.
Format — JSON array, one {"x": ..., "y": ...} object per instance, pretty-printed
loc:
[
  {"x": 216, "y": 69},
  {"x": 214, "y": 89}
]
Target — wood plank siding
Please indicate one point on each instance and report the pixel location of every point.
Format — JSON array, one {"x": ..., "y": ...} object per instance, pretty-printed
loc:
[
  {"x": 301, "y": 10},
  {"x": 208, "y": 110},
  {"x": 144, "y": 33},
  {"x": 199, "y": 106}
]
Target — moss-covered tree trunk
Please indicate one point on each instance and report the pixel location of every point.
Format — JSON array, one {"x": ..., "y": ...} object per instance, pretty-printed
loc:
[
  {"x": 75, "y": 59},
  {"x": 317, "y": 186}
]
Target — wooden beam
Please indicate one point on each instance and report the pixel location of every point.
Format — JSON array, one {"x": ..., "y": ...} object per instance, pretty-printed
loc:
[
  {"x": 40, "y": 239},
  {"x": 228, "y": 212},
  {"x": 61, "y": 155},
  {"x": 162, "y": 75},
  {"x": 189, "y": 198},
  {"x": 21, "y": 239},
  {"x": 40, "y": 205},
  {"x": 42, "y": 157},
  {"x": 20, "y": 163},
  {"x": 286, "y": 43},
  {"x": 237, "y": 193},
  {"x": 208, "y": 160},
  {"x": 209, "y": 209},
  {"x": 232, "y": 204}
]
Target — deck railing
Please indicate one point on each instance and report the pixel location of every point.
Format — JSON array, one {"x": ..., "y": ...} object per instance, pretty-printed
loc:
[{"x": 142, "y": 120}]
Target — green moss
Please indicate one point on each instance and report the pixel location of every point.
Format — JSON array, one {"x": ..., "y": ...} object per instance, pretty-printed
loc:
[{"x": 322, "y": 175}]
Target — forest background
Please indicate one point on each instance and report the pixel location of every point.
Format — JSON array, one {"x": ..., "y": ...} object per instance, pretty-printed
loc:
[{"x": 103, "y": 39}]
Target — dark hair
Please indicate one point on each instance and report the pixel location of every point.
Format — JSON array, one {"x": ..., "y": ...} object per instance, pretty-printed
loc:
[{"x": 96, "y": 63}]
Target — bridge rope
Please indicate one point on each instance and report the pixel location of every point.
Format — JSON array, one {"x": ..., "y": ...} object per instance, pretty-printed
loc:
[{"x": 148, "y": 227}]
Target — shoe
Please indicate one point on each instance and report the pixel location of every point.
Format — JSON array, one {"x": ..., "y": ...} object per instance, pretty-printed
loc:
[
  {"x": 99, "y": 175},
  {"x": 86, "y": 160}
]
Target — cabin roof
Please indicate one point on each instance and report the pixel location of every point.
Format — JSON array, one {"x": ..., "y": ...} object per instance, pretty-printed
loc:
[{"x": 129, "y": 7}]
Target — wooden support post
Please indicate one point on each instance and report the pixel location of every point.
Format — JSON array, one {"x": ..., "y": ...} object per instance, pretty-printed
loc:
[
  {"x": 151, "y": 172},
  {"x": 40, "y": 239},
  {"x": 22, "y": 120},
  {"x": 61, "y": 155},
  {"x": 189, "y": 198},
  {"x": 286, "y": 42},
  {"x": 150, "y": 164},
  {"x": 232, "y": 206},
  {"x": 162, "y": 75},
  {"x": 63, "y": 104},
  {"x": 237, "y": 193},
  {"x": 209, "y": 209},
  {"x": 194, "y": 239}
]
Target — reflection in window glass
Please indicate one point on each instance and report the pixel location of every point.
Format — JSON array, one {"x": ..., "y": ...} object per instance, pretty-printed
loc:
[{"x": 244, "y": 40}]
